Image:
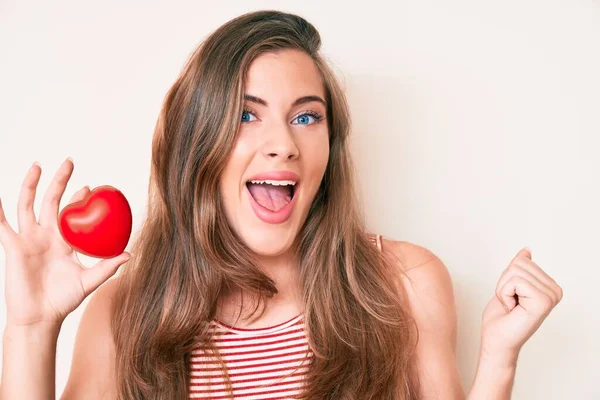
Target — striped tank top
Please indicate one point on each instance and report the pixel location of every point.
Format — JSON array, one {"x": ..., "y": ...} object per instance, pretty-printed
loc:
[{"x": 262, "y": 363}]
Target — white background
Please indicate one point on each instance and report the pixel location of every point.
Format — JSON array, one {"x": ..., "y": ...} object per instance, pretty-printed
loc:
[{"x": 476, "y": 128}]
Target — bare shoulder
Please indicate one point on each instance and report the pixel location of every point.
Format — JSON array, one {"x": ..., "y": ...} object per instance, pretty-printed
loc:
[
  {"x": 427, "y": 284},
  {"x": 409, "y": 255},
  {"x": 92, "y": 365},
  {"x": 416, "y": 262}
]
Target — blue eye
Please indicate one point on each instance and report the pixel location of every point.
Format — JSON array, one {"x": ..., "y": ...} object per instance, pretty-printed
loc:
[
  {"x": 304, "y": 119},
  {"x": 246, "y": 116}
]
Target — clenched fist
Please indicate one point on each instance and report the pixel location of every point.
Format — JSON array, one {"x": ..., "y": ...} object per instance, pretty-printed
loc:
[{"x": 525, "y": 295}]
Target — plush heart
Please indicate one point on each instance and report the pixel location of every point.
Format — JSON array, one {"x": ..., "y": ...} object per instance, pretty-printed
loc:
[{"x": 99, "y": 225}]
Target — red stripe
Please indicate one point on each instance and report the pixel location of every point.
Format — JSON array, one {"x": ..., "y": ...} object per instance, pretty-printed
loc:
[
  {"x": 269, "y": 364},
  {"x": 255, "y": 358},
  {"x": 249, "y": 352},
  {"x": 241, "y": 346},
  {"x": 238, "y": 339},
  {"x": 201, "y": 391},
  {"x": 251, "y": 380},
  {"x": 267, "y": 371},
  {"x": 279, "y": 393},
  {"x": 223, "y": 336},
  {"x": 196, "y": 366},
  {"x": 266, "y": 362}
]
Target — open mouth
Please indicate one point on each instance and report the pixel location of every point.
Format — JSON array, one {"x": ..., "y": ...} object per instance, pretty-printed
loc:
[{"x": 271, "y": 194}]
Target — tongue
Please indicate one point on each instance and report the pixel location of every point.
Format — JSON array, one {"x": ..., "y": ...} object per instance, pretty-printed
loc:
[{"x": 271, "y": 197}]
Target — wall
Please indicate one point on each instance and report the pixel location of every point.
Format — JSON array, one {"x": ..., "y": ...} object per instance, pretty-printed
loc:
[{"x": 475, "y": 133}]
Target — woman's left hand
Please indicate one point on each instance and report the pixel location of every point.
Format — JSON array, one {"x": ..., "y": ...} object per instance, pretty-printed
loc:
[{"x": 525, "y": 295}]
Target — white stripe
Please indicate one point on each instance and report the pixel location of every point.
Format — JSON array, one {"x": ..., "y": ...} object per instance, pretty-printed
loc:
[
  {"x": 253, "y": 370},
  {"x": 260, "y": 375},
  {"x": 241, "y": 392},
  {"x": 257, "y": 347},
  {"x": 255, "y": 341},
  {"x": 254, "y": 348},
  {"x": 238, "y": 385},
  {"x": 276, "y": 395},
  {"x": 278, "y": 362},
  {"x": 281, "y": 352}
]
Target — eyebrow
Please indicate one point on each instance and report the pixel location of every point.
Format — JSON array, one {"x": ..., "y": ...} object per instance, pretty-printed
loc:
[{"x": 300, "y": 100}]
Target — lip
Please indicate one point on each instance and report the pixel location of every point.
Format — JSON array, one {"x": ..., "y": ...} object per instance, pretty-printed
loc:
[{"x": 269, "y": 216}]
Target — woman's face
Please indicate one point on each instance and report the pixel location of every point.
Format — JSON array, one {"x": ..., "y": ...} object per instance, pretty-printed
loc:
[{"x": 283, "y": 139}]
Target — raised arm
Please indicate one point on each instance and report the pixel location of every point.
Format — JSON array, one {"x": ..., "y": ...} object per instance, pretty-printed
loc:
[
  {"x": 28, "y": 362},
  {"x": 30, "y": 355},
  {"x": 431, "y": 298},
  {"x": 92, "y": 367},
  {"x": 428, "y": 287},
  {"x": 44, "y": 282}
]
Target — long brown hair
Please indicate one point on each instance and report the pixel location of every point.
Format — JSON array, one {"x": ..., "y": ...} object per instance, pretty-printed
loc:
[{"x": 186, "y": 255}]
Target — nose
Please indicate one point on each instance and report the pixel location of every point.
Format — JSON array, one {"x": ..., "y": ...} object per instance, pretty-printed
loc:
[{"x": 279, "y": 142}]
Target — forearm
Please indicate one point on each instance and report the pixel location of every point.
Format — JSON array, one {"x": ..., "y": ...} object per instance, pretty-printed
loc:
[
  {"x": 29, "y": 362},
  {"x": 494, "y": 378}
]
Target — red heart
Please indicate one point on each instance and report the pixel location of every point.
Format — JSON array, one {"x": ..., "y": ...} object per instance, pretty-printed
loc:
[{"x": 99, "y": 225}]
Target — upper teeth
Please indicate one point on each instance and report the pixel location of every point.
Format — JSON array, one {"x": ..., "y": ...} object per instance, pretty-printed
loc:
[{"x": 278, "y": 183}]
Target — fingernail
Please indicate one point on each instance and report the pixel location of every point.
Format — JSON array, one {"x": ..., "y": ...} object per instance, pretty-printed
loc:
[
  {"x": 70, "y": 159},
  {"x": 528, "y": 248},
  {"x": 35, "y": 163}
]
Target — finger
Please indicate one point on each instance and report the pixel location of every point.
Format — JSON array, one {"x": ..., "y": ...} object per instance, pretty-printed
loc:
[
  {"x": 6, "y": 231},
  {"x": 530, "y": 298},
  {"x": 524, "y": 252},
  {"x": 25, "y": 214},
  {"x": 80, "y": 194},
  {"x": 506, "y": 274},
  {"x": 539, "y": 273},
  {"x": 516, "y": 270},
  {"x": 51, "y": 200},
  {"x": 92, "y": 278}
]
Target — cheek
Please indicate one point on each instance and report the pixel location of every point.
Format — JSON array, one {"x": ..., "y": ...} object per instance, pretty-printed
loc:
[
  {"x": 316, "y": 156},
  {"x": 239, "y": 159},
  {"x": 231, "y": 178},
  {"x": 319, "y": 154},
  {"x": 229, "y": 190}
]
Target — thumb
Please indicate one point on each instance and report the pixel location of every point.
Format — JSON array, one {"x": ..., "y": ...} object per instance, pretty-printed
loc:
[
  {"x": 524, "y": 252},
  {"x": 92, "y": 278}
]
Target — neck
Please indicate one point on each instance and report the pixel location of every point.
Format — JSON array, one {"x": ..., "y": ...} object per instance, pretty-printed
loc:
[{"x": 284, "y": 270}]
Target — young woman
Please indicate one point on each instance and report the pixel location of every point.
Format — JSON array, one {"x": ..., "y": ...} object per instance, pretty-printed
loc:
[{"x": 252, "y": 276}]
